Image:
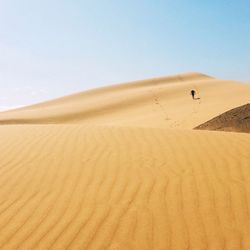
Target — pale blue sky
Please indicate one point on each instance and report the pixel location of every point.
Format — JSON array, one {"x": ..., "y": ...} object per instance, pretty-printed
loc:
[{"x": 51, "y": 48}]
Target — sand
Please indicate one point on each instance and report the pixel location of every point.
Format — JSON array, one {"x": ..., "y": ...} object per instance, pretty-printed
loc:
[
  {"x": 161, "y": 102},
  {"x": 122, "y": 168},
  {"x": 236, "y": 120}
]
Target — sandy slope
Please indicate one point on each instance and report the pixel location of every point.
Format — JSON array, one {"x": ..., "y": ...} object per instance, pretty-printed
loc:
[
  {"x": 113, "y": 174},
  {"x": 237, "y": 120},
  {"x": 164, "y": 102}
]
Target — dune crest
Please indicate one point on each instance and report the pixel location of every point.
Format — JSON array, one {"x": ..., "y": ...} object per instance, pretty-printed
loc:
[{"x": 161, "y": 102}]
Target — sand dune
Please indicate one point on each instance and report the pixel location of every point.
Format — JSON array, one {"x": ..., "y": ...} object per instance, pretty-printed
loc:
[
  {"x": 162, "y": 102},
  {"x": 237, "y": 120},
  {"x": 121, "y": 168}
]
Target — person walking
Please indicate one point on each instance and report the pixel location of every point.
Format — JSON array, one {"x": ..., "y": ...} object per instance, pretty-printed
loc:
[{"x": 193, "y": 94}]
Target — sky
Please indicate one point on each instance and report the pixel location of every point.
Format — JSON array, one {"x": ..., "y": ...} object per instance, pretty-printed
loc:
[{"x": 51, "y": 48}]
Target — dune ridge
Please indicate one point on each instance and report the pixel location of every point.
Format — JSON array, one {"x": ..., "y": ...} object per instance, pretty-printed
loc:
[
  {"x": 122, "y": 168},
  {"x": 162, "y": 102},
  {"x": 237, "y": 120}
]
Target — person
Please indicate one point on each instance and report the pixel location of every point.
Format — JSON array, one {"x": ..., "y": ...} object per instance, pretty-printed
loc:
[{"x": 193, "y": 93}]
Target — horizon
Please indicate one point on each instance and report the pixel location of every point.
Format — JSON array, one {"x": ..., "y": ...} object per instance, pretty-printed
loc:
[
  {"x": 7, "y": 108},
  {"x": 49, "y": 50}
]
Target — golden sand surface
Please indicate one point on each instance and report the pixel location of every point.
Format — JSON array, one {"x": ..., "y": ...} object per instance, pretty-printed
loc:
[{"x": 121, "y": 167}]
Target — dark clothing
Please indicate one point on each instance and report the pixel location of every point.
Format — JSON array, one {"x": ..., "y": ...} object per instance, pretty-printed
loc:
[{"x": 193, "y": 93}]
